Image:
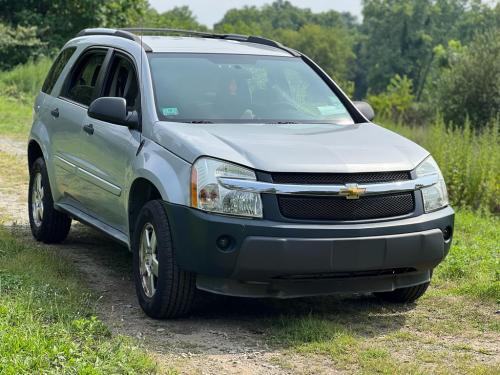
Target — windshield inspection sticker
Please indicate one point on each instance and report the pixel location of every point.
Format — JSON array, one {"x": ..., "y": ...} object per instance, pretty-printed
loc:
[
  {"x": 331, "y": 110},
  {"x": 170, "y": 111}
]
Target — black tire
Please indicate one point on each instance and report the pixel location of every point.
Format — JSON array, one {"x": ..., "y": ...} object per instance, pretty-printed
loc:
[
  {"x": 174, "y": 287},
  {"x": 404, "y": 295},
  {"x": 52, "y": 226}
]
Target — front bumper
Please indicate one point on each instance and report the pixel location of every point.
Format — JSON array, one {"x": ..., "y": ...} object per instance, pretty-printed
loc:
[{"x": 268, "y": 258}]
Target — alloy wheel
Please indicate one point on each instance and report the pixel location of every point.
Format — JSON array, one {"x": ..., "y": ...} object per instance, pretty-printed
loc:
[
  {"x": 148, "y": 258},
  {"x": 37, "y": 199}
]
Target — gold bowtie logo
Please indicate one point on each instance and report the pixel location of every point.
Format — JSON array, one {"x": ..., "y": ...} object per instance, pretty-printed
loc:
[{"x": 352, "y": 191}]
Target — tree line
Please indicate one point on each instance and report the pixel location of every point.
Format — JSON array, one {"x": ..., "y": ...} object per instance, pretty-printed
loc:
[{"x": 410, "y": 58}]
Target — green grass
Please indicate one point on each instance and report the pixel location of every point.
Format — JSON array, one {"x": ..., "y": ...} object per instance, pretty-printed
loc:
[
  {"x": 46, "y": 319},
  {"x": 15, "y": 117},
  {"x": 18, "y": 88},
  {"x": 24, "y": 81},
  {"x": 473, "y": 266}
]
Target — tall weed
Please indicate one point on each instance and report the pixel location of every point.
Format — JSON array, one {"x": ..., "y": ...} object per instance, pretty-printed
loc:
[
  {"x": 24, "y": 81},
  {"x": 469, "y": 160}
]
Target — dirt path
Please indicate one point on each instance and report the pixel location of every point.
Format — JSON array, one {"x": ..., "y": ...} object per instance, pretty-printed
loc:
[
  {"x": 13, "y": 193},
  {"x": 223, "y": 335},
  {"x": 13, "y": 147}
]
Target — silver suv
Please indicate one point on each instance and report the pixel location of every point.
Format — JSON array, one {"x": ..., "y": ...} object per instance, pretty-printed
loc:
[{"x": 230, "y": 164}]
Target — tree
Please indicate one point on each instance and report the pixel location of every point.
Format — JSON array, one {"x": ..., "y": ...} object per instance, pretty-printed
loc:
[
  {"x": 400, "y": 37},
  {"x": 280, "y": 15},
  {"x": 177, "y": 18},
  {"x": 470, "y": 86},
  {"x": 328, "y": 37},
  {"x": 58, "y": 20},
  {"x": 123, "y": 13},
  {"x": 18, "y": 45},
  {"x": 331, "y": 48},
  {"x": 396, "y": 102}
]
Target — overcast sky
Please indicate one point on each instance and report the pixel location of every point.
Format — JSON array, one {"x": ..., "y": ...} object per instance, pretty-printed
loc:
[{"x": 209, "y": 12}]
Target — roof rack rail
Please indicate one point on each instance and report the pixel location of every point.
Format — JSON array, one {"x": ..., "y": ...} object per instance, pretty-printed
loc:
[
  {"x": 203, "y": 34},
  {"x": 114, "y": 32}
]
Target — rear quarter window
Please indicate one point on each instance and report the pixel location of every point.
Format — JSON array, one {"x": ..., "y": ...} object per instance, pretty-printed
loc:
[{"x": 56, "y": 69}]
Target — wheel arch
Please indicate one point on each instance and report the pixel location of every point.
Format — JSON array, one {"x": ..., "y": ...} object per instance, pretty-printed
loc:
[
  {"x": 141, "y": 191},
  {"x": 34, "y": 152}
]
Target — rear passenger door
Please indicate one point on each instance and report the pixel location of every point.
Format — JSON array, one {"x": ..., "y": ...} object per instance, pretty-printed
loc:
[
  {"x": 69, "y": 111},
  {"x": 46, "y": 107},
  {"x": 108, "y": 152}
]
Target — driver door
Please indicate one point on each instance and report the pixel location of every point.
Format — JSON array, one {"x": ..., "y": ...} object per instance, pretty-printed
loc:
[{"x": 108, "y": 149}]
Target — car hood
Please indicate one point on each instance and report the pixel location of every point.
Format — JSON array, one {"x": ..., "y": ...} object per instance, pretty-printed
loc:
[{"x": 293, "y": 147}]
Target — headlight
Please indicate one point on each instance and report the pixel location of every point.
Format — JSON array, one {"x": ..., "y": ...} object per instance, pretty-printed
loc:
[
  {"x": 208, "y": 194},
  {"x": 434, "y": 196}
]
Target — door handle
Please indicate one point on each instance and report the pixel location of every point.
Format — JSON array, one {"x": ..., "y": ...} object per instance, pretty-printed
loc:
[
  {"x": 89, "y": 128},
  {"x": 55, "y": 112}
]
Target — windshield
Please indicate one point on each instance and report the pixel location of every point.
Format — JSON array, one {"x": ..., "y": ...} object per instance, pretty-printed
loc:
[{"x": 242, "y": 88}]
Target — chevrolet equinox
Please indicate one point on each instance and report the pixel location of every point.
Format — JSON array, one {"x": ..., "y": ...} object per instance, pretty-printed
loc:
[{"x": 230, "y": 164}]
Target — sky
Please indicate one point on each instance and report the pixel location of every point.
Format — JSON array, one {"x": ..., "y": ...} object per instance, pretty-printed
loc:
[{"x": 209, "y": 12}]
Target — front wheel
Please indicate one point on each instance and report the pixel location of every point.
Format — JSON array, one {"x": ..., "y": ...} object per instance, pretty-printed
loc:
[
  {"x": 404, "y": 295},
  {"x": 47, "y": 224},
  {"x": 164, "y": 290}
]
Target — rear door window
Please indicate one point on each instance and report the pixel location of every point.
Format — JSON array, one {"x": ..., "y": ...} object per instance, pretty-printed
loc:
[
  {"x": 57, "y": 68},
  {"x": 84, "y": 78}
]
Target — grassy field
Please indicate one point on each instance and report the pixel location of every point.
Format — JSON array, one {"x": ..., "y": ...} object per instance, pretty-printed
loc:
[
  {"x": 18, "y": 87},
  {"x": 15, "y": 117},
  {"x": 47, "y": 322}
]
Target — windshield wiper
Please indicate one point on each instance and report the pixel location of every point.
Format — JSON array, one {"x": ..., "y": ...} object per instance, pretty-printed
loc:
[{"x": 200, "y": 122}]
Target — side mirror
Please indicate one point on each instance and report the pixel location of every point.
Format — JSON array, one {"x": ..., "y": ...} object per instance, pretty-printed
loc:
[
  {"x": 366, "y": 109},
  {"x": 114, "y": 110}
]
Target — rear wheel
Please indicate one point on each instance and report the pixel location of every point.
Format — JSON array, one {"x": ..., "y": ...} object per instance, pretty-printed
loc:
[
  {"x": 47, "y": 224},
  {"x": 164, "y": 290},
  {"x": 404, "y": 295}
]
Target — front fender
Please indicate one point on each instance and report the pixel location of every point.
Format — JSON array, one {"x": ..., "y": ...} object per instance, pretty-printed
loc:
[{"x": 169, "y": 173}]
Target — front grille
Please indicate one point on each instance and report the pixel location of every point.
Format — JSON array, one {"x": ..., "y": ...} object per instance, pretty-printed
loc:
[
  {"x": 339, "y": 178},
  {"x": 340, "y": 208}
]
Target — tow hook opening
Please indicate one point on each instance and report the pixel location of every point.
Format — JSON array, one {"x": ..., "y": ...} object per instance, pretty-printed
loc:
[
  {"x": 225, "y": 243},
  {"x": 447, "y": 233}
]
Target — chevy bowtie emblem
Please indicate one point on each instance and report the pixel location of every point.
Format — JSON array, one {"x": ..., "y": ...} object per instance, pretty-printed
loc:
[{"x": 352, "y": 191}]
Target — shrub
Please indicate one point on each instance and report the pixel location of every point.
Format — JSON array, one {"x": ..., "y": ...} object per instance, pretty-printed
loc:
[
  {"x": 18, "y": 45},
  {"x": 396, "y": 102},
  {"x": 470, "y": 87}
]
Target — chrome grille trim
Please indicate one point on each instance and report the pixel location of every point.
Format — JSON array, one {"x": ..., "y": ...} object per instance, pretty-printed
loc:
[{"x": 327, "y": 190}]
